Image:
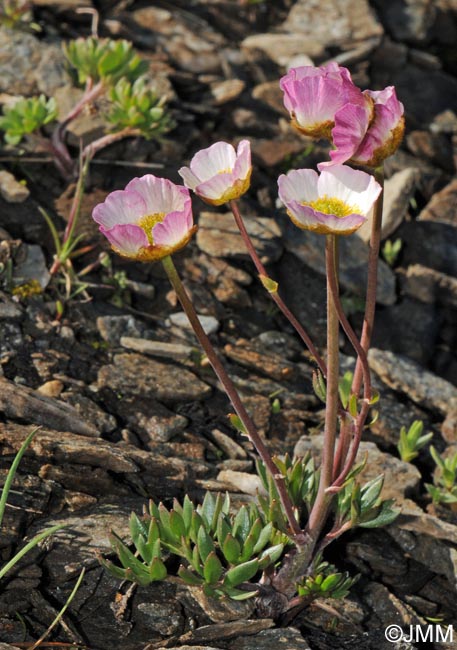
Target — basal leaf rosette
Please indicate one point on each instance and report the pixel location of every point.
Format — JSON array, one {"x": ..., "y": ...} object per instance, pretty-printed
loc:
[
  {"x": 149, "y": 220},
  {"x": 366, "y": 140},
  {"x": 219, "y": 174},
  {"x": 314, "y": 95},
  {"x": 335, "y": 202}
]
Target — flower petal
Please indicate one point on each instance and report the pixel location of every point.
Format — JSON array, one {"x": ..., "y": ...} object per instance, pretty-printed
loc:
[
  {"x": 172, "y": 230},
  {"x": 120, "y": 207},
  {"x": 307, "y": 218},
  {"x": 353, "y": 187},
  {"x": 127, "y": 239},
  {"x": 242, "y": 167},
  {"x": 299, "y": 185},
  {"x": 190, "y": 180},
  {"x": 217, "y": 158},
  {"x": 351, "y": 124},
  {"x": 159, "y": 194}
]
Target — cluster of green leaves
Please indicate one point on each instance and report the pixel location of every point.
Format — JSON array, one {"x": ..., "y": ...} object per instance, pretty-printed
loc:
[
  {"x": 103, "y": 60},
  {"x": 221, "y": 551},
  {"x": 17, "y": 14},
  {"x": 136, "y": 106},
  {"x": 412, "y": 441},
  {"x": 301, "y": 480},
  {"x": 444, "y": 489},
  {"x": 391, "y": 250},
  {"x": 362, "y": 505},
  {"x": 325, "y": 582},
  {"x": 26, "y": 116}
]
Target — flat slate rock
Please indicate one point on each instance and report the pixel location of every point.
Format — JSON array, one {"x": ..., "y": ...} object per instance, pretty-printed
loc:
[{"x": 136, "y": 374}]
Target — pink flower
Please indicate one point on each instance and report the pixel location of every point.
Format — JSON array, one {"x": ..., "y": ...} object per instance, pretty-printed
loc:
[
  {"x": 218, "y": 174},
  {"x": 314, "y": 95},
  {"x": 150, "y": 219},
  {"x": 366, "y": 141},
  {"x": 336, "y": 202}
]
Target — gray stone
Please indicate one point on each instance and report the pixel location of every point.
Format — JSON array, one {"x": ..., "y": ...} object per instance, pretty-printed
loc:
[
  {"x": 411, "y": 379},
  {"x": 29, "y": 66},
  {"x": 218, "y": 236},
  {"x": 113, "y": 328},
  {"x": 31, "y": 266},
  {"x": 430, "y": 244},
  {"x": 280, "y": 48},
  {"x": 88, "y": 126},
  {"x": 175, "y": 351},
  {"x": 400, "y": 479},
  {"x": 310, "y": 249},
  {"x": 12, "y": 190},
  {"x": 135, "y": 374},
  {"x": 279, "y": 639},
  {"x": 442, "y": 208},
  {"x": 241, "y": 482},
  {"x": 226, "y": 91},
  {"x": 209, "y": 323},
  {"x": 333, "y": 23},
  {"x": 164, "y": 618},
  {"x": 398, "y": 192},
  {"x": 407, "y": 20},
  {"x": 435, "y": 148},
  {"x": 271, "y": 94},
  {"x": 428, "y": 285}
]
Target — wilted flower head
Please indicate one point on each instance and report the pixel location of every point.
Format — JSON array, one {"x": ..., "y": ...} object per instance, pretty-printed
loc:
[
  {"x": 367, "y": 141},
  {"x": 219, "y": 174},
  {"x": 336, "y": 202},
  {"x": 314, "y": 95},
  {"x": 147, "y": 221}
]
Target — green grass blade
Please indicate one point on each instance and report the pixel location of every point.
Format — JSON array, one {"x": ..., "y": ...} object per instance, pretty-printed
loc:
[{"x": 28, "y": 547}]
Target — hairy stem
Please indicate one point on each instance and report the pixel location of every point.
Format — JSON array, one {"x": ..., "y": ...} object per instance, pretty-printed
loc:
[
  {"x": 319, "y": 510},
  {"x": 232, "y": 393},
  {"x": 370, "y": 302},
  {"x": 274, "y": 294},
  {"x": 91, "y": 149}
]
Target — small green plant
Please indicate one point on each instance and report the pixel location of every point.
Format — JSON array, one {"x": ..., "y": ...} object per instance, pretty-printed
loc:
[
  {"x": 3, "y": 502},
  {"x": 391, "y": 251},
  {"x": 27, "y": 116},
  {"x": 325, "y": 581},
  {"x": 136, "y": 106},
  {"x": 412, "y": 440},
  {"x": 17, "y": 14},
  {"x": 444, "y": 488}
]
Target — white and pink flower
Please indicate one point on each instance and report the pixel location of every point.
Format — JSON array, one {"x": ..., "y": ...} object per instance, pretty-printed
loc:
[
  {"x": 147, "y": 221},
  {"x": 314, "y": 95},
  {"x": 219, "y": 174},
  {"x": 366, "y": 140},
  {"x": 335, "y": 202}
]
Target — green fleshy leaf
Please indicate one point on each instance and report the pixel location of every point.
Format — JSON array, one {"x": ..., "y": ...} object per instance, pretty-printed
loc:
[
  {"x": 212, "y": 569},
  {"x": 241, "y": 573}
]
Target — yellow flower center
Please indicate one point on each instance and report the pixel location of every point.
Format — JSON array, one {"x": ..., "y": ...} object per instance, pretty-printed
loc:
[
  {"x": 148, "y": 222},
  {"x": 331, "y": 205},
  {"x": 225, "y": 171}
]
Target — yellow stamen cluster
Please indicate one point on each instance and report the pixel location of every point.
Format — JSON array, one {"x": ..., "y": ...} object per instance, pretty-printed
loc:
[
  {"x": 148, "y": 222},
  {"x": 331, "y": 205}
]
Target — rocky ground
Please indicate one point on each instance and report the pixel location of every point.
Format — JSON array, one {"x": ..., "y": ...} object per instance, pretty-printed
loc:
[{"x": 127, "y": 409}]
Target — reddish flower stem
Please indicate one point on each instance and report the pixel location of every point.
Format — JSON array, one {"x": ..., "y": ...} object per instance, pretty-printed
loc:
[
  {"x": 274, "y": 294},
  {"x": 232, "y": 393},
  {"x": 370, "y": 302},
  {"x": 91, "y": 149},
  {"x": 320, "y": 508}
]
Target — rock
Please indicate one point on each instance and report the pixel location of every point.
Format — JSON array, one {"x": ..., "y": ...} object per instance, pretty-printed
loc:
[
  {"x": 428, "y": 286},
  {"x": 408, "y": 20},
  {"x": 430, "y": 244},
  {"x": 288, "y": 638},
  {"x": 387, "y": 608},
  {"x": 218, "y": 236},
  {"x": 310, "y": 249},
  {"x": 411, "y": 379},
  {"x": 29, "y": 66},
  {"x": 26, "y": 404},
  {"x": 102, "y": 421},
  {"x": 400, "y": 479},
  {"x": 228, "y": 445},
  {"x": 226, "y": 630},
  {"x": 270, "y": 94},
  {"x": 433, "y": 147},
  {"x": 191, "y": 43},
  {"x": 281, "y": 48},
  {"x": 333, "y": 23},
  {"x": 174, "y": 351},
  {"x": 241, "y": 482},
  {"x": 410, "y": 328},
  {"x": 88, "y": 126},
  {"x": 164, "y": 618},
  {"x": 398, "y": 192},
  {"x": 226, "y": 91},
  {"x": 273, "y": 152},
  {"x": 30, "y": 266},
  {"x": 442, "y": 208},
  {"x": 52, "y": 388},
  {"x": 113, "y": 328},
  {"x": 269, "y": 364},
  {"x": 209, "y": 323},
  {"x": 134, "y": 374},
  {"x": 449, "y": 426},
  {"x": 12, "y": 190}
]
